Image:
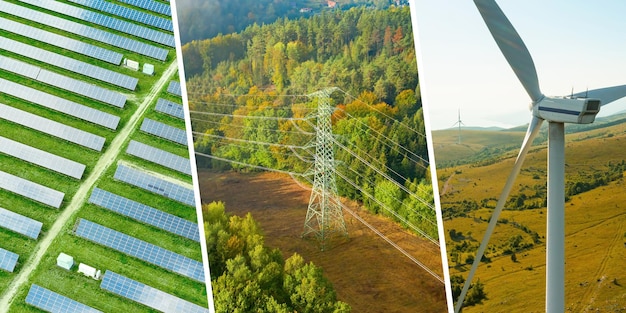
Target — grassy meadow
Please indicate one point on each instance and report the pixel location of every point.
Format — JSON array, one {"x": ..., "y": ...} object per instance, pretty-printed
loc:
[{"x": 595, "y": 219}]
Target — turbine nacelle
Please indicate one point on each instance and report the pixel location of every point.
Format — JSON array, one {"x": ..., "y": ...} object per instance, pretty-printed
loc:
[{"x": 567, "y": 110}]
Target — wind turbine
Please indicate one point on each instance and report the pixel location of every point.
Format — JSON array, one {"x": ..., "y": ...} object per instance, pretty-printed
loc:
[
  {"x": 459, "y": 122},
  {"x": 579, "y": 108}
]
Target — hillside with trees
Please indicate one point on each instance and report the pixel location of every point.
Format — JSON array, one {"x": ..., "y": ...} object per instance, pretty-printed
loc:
[
  {"x": 205, "y": 19},
  {"x": 267, "y": 71}
]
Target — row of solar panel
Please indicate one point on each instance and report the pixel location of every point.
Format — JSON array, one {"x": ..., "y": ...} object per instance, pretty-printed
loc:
[
  {"x": 128, "y": 13},
  {"x": 174, "y": 88},
  {"x": 8, "y": 260},
  {"x": 164, "y": 131},
  {"x": 84, "y": 31},
  {"x": 51, "y": 301},
  {"x": 68, "y": 63},
  {"x": 170, "y": 108},
  {"x": 61, "y": 41},
  {"x": 152, "y": 183},
  {"x": 31, "y": 190},
  {"x": 20, "y": 224},
  {"x": 140, "y": 249},
  {"x": 159, "y": 156},
  {"x": 150, "y": 5},
  {"x": 106, "y": 21},
  {"x": 59, "y": 104},
  {"x": 147, "y": 295},
  {"x": 145, "y": 214},
  {"x": 67, "y": 83},
  {"x": 41, "y": 158},
  {"x": 51, "y": 127}
]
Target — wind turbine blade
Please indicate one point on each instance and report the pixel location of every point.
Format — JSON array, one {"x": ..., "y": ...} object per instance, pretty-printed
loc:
[
  {"x": 511, "y": 45},
  {"x": 605, "y": 95},
  {"x": 531, "y": 133}
]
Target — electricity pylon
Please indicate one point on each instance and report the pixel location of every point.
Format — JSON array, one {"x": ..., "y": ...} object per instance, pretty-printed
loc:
[{"x": 324, "y": 216}]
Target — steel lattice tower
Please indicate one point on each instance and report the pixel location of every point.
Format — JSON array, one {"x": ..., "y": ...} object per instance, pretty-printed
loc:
[{"x": 324, "y": 216}]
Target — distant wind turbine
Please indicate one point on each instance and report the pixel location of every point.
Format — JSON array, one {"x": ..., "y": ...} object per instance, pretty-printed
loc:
[
  {"x": 459, "y": 122},
  {"x": 579, "y": 108}
]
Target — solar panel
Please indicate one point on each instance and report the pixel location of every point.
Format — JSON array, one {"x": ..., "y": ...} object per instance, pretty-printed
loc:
[
  {"x": 82, "y": 88},
  {"x": 145, "y": 214},
  {"x": 84, "y": 30},
  {"x": 164, "y": 131},
  {"x": 51, "y": 127},
  {"x": 140, "y": 249},
  {"x": 150, "y": 182},
  {"x": 128, "y": 13},
  {"x": 68, "y": 63},
  {"x": 51, "y": 301},
  {"x": 106, "y": 21},
  {"x": 61, "y": 41},
  {"x": 159, "y": 156},
  {"x": 151, "y": 5},
  {"x": 170, "y": 108},
  {"x": 174, "y": 88},
  {"x": 41, "y": 158},
  {"x": 19, "y": 223},
  {"x": 19, "y": 67},
  {"x": 147, "y": 295},
  {"x": 8, "y": 260},
  {"x": 76, "y": 86},
  {"x": 59, "y": 104},
  {"x": 31, "y": 190}
]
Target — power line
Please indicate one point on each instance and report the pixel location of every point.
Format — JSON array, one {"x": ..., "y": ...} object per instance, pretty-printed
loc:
[
  {"x": 220, "y": 124},
  {"x": 247, "y": 164},
  {"x": 249, "y": 116},
  {"x": 381, "y": 235},
  {"x": 248, "y": 141}
]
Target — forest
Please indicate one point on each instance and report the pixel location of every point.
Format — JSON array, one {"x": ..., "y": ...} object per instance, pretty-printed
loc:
[
  {"x": 248, "y": 99},
  {"x": 206, "y": 19},
  {"x": 249, "y": 277}
]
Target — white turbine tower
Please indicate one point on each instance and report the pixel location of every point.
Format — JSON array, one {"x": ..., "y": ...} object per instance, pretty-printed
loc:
[
  {"x": 580, "y": 108},
  {"x": 459, "y": 122}
]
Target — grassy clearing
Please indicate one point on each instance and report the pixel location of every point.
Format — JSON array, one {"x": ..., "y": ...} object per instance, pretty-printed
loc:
[{"x": 594, "y": 228}]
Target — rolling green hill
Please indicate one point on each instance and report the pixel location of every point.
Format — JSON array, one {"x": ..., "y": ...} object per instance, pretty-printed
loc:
[{"x": 595, "y": 219}]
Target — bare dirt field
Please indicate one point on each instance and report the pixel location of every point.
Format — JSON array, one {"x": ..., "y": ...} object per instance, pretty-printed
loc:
[{"x": 366, "y": 271}]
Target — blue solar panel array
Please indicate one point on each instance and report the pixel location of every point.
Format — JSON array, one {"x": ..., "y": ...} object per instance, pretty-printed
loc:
[
  {"x": 19, "y": 223},
  {"x": 41, "y": 158},
  {"x": 31, "y": 190},
  {"x": 170, "y": 108},
  {"x": 70, "y": 84},
  {"x": 150, "y": 5},
  {"x": 174, "y": 88},
  {"x": 69, "y": 64},
  {"x": 82, "y": 88},
  {"x": 84, "y": 30},
  {"x": 128, "y": 13},
  {"x": 147, "y": 295},
  {"x": 164, "y": 131},
  {"x": 145, "y": 214},
  {"x": 8, "y": 260},
  {"x": 149, "y": 182},
  {"x": 51, "y": 301},
  {"x": 51, "y": 127},
  {"x": 61, "y": 41},
  {"x": 59, "y": 104},
  {"x": 140, "y": 249},
  {"x": 106, "y": 21},
  {"x": 159, "y": 156}
]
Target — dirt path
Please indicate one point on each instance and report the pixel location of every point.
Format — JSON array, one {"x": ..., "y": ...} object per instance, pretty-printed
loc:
[
  {"x": 366, "y": 271},
  {"x": 587, "y": 300},
  {"x": 81, "y": 194},
  {"x": 446, "y": 185}
]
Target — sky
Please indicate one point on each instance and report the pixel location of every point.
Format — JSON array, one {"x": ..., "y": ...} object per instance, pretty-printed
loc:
[{"x": 574, "y": 44}]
